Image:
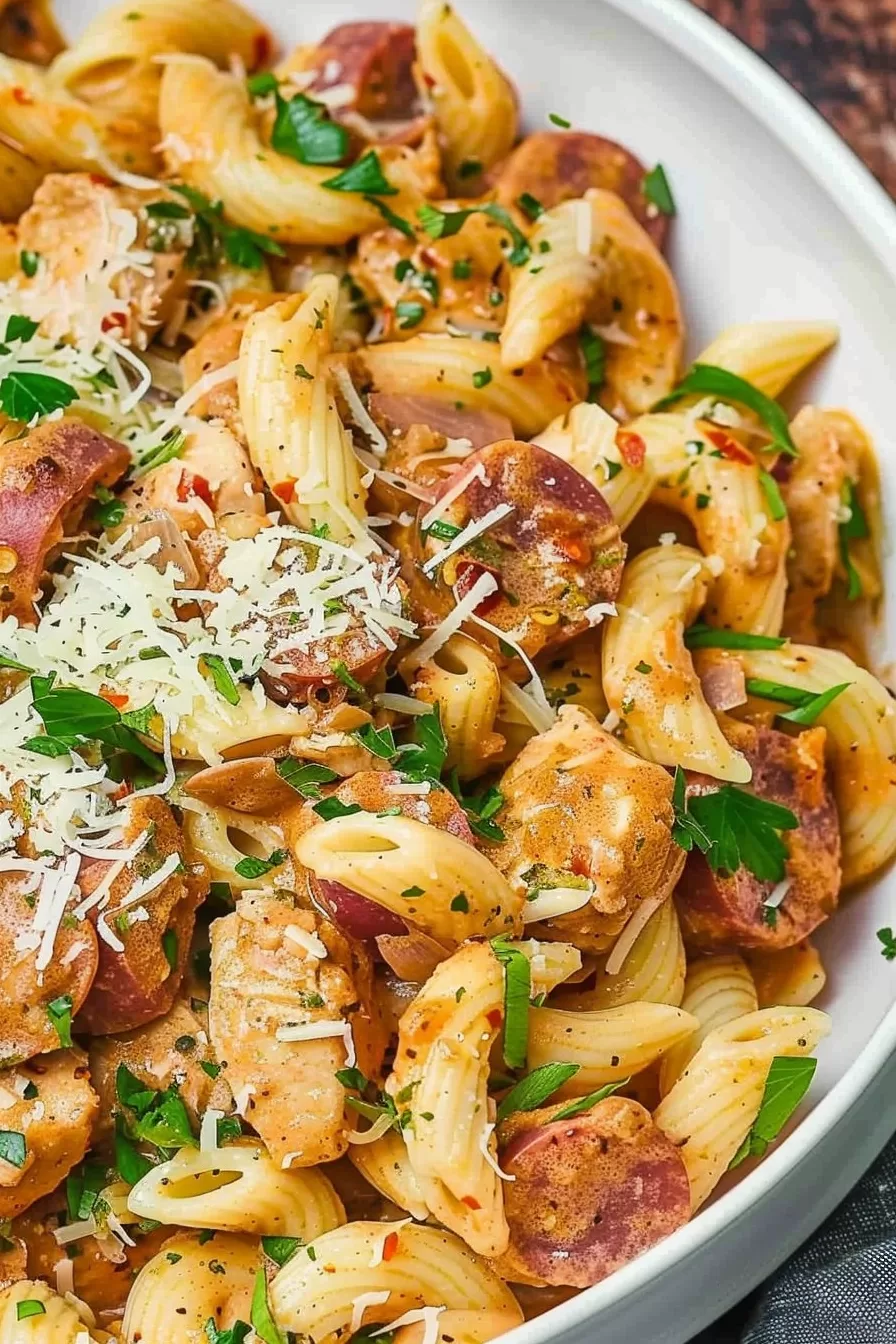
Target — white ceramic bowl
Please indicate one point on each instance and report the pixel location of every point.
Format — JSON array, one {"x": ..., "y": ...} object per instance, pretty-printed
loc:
[{"x": 776, "y": 219}]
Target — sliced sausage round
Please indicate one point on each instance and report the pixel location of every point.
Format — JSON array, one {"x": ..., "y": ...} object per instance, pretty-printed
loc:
[
  {"x": 375, "y": 60},
  {"x": 395, "y": 413},
  {"x": 589, "y": 1194},
  {"x": 554, "y": 550},
  {"x": 555, "y": 166},
  {"x": 720, "y": 911},
  {"x": 46, "y": 480}
]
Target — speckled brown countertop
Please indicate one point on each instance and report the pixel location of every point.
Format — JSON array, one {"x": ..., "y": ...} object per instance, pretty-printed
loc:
[{"x": 840, "y": 53}]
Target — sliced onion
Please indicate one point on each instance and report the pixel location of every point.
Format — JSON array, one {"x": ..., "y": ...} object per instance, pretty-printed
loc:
[
  {"x": 356, "y": 915},
  {"x": 724, "y": 684},
  {"x": 173, "y": 549},
  {"x": 412, "y": 956}
]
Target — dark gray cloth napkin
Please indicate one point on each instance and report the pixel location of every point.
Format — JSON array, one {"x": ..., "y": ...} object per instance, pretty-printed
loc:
[{"x": 840, "y": 1287}]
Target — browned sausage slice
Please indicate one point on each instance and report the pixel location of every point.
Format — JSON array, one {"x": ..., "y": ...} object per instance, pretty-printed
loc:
[
  {"x": 589, "y": 1194},
  {"x": 719, "y": 912},
  {"x": 25, "y": 993},
  {"x": 555, "y": 166},
  {"x": 138, "y": 982},
  {"x": 375, "y": 60},
  {"x": 46, "y": 480},
  {"x": 396, "y": 413},
  {"x": 555, "y": 554}
]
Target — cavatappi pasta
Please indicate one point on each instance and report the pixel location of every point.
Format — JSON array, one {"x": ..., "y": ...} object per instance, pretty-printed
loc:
[{"x": 434, "y": 720}]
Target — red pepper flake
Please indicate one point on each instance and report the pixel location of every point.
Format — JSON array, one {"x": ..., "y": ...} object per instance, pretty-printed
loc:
[
  {"x": 494, "y": 1017},
  {"x": 468, "y": 573},
  {"x": 99, "y": 180},
  {"x": 470, "y": 1202},
  {"x": 632, "y": 448},
  {"x": 727, "y": 446},
  {"x": 285, "y": 491},
  {"x": 124, "y": 788},
  {"x": 22, "y": 95},
  {"x": 390, "y": 1245},
  {"x": 113, "y": 321},
  {"x": 261, "y": 49},
  {"x": 430, "y": 82},
  {"x": 190, "y": 486},
  {"x": 113, "y": 697}
]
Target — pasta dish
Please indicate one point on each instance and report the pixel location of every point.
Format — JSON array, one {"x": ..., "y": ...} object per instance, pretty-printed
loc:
[{"x": 434, "y": 713}]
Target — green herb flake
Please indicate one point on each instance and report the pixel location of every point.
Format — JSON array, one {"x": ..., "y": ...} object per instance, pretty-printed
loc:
[
  {"x": 481, "y": 378},
  {"x": 29, "y": 1306},
  {"x": 412, "y": 893},
  {"x": 365, "y": 176},
  {"x": 13, "y": 1148},
  {"x": 250, "y": 867},
  {"x": 260, "y": 1313},
  {"x": 594, "y": 353},
  {"x": 446, "y": 223},
  {"x": 517, "y": 992},
  {"x": 708, "y": 637},
  {"x": 533, "y": 1091},
  {"x": 582, "y": 1104},
  {"x": 329, "y": 808},
  {"x": 392, "y": 219},
  {"x": 222, "y": 677},
  {"x": 280, "y": 1249},
  {"x": 773, "y": 497},
  {"x": 460, "y": 904},
  {"x": 462, "y": 269},
  {"x": 169, "y": 948},
  {"x": 29, "y": 262},
  {"x": 807, "y": 705},
  {"x": 59, "y": 1011},
  {"x": 260, "y": 85},
  {"x": 303, "y": 131},
  {"x": 887, "y": 939},
  {"x": 208, "y": 1066},
  {"x": 557, "y": 120},
  {"x": 378, "y": 741},
  {"x": 304, "y": 777},
  {"x": 531, "y": 207},
  {"x": 787, "y": 1083},
  {"x": 657, "y": 190},
  {"x": 855, "y": 528},
  {"x": 709, "y": 380},
  {"x": 409, "y": 314}
]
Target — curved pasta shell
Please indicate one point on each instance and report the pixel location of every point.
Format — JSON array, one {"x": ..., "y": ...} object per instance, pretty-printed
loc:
[
  {"x": 237, "y": 1189},
  {"x": 652, "y": 972},
  {"x": 666, "y": 717},
  {"x": 717, "y": 990},
  {"x": 770, "y": 354},
  {"x": 445, "y": 1074},
  {"x": 189, "y": 1283},
  {"x": 444, "y": 367},
  {"x": 608, "y": 1044},
  {"x": 464, "y": 682},
  {"x": 213, "y": 142},
  {"x": 207, "y": 832},
  {"x": 793, "y": 976},
  {"x": 861, "y": 745},
  {"x": 213, "y": 728},
  {"x": 382, "y": 857},
  {"x": 59, "y": 1323},
  {"x": 385, "y": 1163},
  {"x": 427, "y": 1267},
  {"x": 711, "y": 1108},
  {"x": 586, "y": 438},
  {"x": 289, "y": 411},
  {"x": 474, "y": 103},
  {"x": 462, "y": 1327},
  {"x": 599, "y": 263}
]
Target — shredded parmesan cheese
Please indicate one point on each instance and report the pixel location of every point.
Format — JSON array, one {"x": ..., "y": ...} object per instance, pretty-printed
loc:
[
  {"x": 362, "y": 1302},
  {"x": 208, "y": 1130},
  {"x": 466, "y": 535},
  {"x": 309, "y": 942},
  {"x": 550, "y": 903},
  {"x": 454, "y": 491},
  {"x": 428, "y": 1315}
]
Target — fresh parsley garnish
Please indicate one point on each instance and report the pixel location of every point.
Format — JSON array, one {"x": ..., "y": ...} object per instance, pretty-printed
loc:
[
  {"x": 531, "y": 1092},
  {"x": 424, "y": 757},
  {"x": 29, "y": 1306},
  {"x": 29, "y": 262},
  {"x": 708, "y": 637},
  {"x": 389, "y": 215},
  {"x": 26, "y": 395},
  {"x": 222, "y": 677},
  {"x": 260, "y": 1313},
  {"x": 304, "y": 131},
  {"x": 365, "y": 176},
  {"x": 409, "y": 314},
  {"x": 787, "y": 1083},
  {"x": 446, "y": 223},
  {"x": 517, "y": 992},
  {"x": 214, "y": 235},
  {"x": 328, "y": 808},
  {"x": 657, "y": 190},
  {"x": 594, "y": 353},
  {"x": 280, "y": 1249},
  {"x": 773, "y": 497},
  {"x": 733, "y": 829},
  {"x": 530, "y": 205},
  {"x": 585, "y": 1103},
  {"x": 71, "y": 716},
  {"x": 250, "y": 867},
  {"x": 807, "y": 705},
  {"x": 378, "y": 741},
  {"x": 19, "y": 329},
  {"x": 710, "y": 380},
  {"x": 13, "y": 1148},
  {"x": 482, "y": 377},
  {"x": 108, "y": 510},
  {"x": 557, "y": 120},
  {"x": 304, "y": 777},
  {"x": 855, "y": 528},
  {"x": 888, "y": 943},
  {"x": 59, "y": 1011},
  {"x": 260, "y": 85}
]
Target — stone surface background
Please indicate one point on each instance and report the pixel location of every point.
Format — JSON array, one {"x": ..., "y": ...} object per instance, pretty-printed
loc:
[{"x": 841, "y": 54}]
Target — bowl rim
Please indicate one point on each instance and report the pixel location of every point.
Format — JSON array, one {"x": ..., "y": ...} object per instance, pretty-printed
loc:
[{"x": 827, "y": 158}]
